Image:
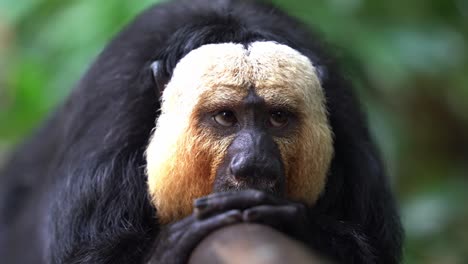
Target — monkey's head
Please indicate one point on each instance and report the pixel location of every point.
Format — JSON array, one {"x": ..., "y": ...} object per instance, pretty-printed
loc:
[{"x": 235, "y": 117}]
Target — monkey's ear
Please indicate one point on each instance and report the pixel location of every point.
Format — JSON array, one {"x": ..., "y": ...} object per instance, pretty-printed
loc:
[
  {"x": 158, "y": 77},
  {"x": 155, "y": 67},
  {"x": 322, "y": 73}
]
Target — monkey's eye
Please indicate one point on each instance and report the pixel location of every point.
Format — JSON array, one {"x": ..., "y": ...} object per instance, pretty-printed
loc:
[
  {"x": 278, "y": 119},
  {"x": 225, "y": 118}
]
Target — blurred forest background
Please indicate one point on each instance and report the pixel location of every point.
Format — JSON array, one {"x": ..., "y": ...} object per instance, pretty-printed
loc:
[{"x": 409, "y": 60}]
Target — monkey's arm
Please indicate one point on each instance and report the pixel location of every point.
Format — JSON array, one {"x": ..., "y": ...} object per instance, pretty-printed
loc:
[
  {"x": 176, "y": 241},
  {"x": 99, "y": 215}
]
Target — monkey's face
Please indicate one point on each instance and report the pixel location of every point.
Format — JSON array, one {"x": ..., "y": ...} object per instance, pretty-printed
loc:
[
  {"x": 236, "y": 117},
  {"x": 253, "y": 159}
]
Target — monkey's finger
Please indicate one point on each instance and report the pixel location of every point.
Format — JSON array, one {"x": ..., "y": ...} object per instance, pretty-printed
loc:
[
  {"x": 251, "y": 192},
  {"x": 183, "y": 223},
  {"x": 275, "y": 216},
  {"x": 201, "y": 229},
  {"x": 211, "y": 204}
]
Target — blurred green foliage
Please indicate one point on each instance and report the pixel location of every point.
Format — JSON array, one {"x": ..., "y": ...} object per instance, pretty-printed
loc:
[{"x": 409, "y": 60}]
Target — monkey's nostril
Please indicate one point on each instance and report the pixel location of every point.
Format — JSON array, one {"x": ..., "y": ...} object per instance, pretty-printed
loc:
[
  {"x": 239, "y": 167},
  {"x": 251, "y": 168}
]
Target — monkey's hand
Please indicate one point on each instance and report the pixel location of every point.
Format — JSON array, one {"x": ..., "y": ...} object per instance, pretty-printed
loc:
[
  {"x": 258, "y": 207},
  {"x": 176, "y": 241},
  {"x": 325, "y": 234}
]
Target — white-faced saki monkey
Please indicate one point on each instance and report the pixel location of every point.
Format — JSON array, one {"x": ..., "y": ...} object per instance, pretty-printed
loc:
[{"x": 198, "y": 115}]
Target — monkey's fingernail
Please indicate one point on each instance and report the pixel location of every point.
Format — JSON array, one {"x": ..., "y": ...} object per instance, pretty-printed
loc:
[
  {"x": 197, "y": 213},
  {"x": 200, "y": 204},
  {"x": 201, "y": 199},
  {"x": 248, "y": 216},
  {"x": 234, "y": 216}
]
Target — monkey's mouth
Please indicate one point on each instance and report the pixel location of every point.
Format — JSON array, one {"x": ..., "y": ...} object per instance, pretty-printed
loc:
[{"x": 275, "y": 187}]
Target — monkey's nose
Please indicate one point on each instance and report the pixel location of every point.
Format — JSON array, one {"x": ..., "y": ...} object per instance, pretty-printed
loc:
[
  {"x": 242, "y": 167},
  {"x": 253, "y": 167}
]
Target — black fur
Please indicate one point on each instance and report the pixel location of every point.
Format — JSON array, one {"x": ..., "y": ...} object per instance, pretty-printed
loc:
[{"x": 75, "y": 191}]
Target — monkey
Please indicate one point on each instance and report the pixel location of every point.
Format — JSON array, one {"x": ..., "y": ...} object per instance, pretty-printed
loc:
[{"x": 199, "y": 115}]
